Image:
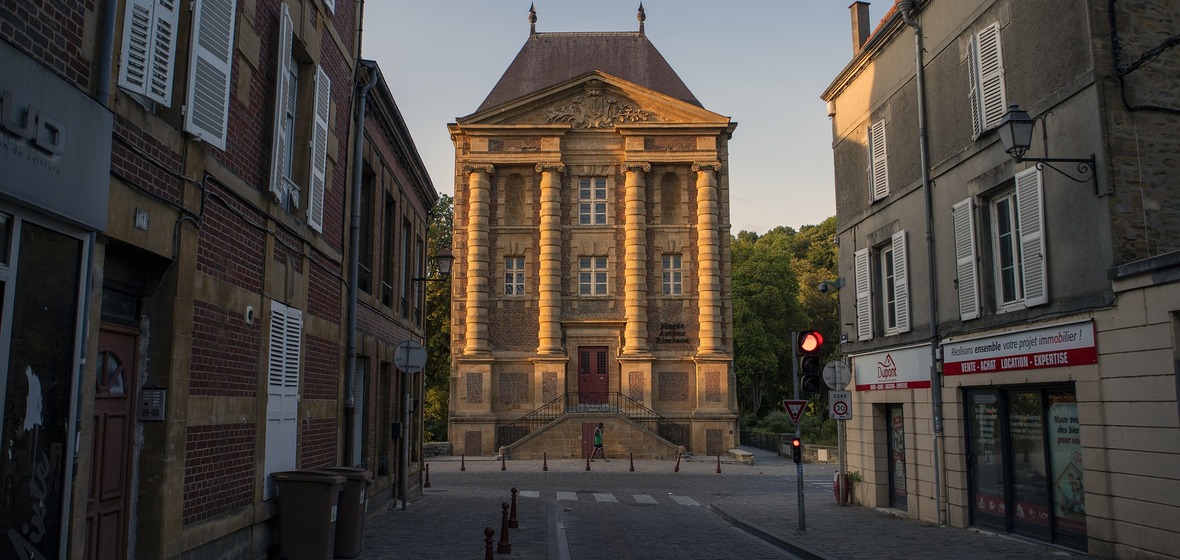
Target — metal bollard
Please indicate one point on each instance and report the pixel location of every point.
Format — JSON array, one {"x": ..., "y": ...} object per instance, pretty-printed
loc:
[
  {"x": 504, "y": 547},
  {"x": 545, "y": 462},
  {"x": 462, "y": 461},
  {"x": 587, "y": 462},
  {"x": 512, "y": 521},
  {"x": 487, "y": 547},
  {"x": 632, "y": 462},
  {"x": 677, "y": 469},
  {"x": 503, "y": 465},
  {"x": 718, "y": 462},
  {"x": 427, "y": 483}
]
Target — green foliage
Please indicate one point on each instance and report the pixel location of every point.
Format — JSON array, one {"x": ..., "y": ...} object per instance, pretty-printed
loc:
[
  {"x": 435, "y": 414},
  {"x": 438, "y": 323}
]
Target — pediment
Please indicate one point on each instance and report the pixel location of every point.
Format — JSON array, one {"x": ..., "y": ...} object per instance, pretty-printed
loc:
[{"x": 595, "y": 101}]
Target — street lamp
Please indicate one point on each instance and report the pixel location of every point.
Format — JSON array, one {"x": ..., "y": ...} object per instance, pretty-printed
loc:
[
  {"x": 443, "y": 260},
  {"x": 1015, "y": 130}
]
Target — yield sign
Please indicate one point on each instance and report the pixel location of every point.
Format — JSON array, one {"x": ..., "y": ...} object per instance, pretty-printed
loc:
[{"x": 794, "y": 409}]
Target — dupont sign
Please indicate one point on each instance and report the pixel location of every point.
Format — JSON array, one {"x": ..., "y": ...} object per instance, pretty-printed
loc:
[
  {"x": 901, "y": 368},
  {"x": 1058, "y": 346}
]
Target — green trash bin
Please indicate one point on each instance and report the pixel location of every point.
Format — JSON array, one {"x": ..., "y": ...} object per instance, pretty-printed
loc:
[
  {"x": 308, "y": 504},
  {"x": 354, "y": 506}
]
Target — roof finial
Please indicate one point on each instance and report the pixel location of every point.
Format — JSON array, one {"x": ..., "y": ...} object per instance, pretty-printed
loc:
[
  {"x": 532, "y": 20},
  {"x": 641, "y": 16}
]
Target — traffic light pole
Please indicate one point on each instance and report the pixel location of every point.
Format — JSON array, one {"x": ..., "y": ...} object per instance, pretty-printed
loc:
[{"x": 799, "y": 465}]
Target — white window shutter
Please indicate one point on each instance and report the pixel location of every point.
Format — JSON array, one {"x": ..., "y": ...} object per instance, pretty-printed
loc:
[
  {"x": 1029, "y": 203},
  {"x": 330, "y": 5},
  {"x": 901, "y": 283},
  {"x": 973, "y": 92},
  {"x": 149, "y": 46},
  {"x": 282, "y": 403},
  {"x": 988, "y": 93},
  {"x": 319, "y": 150},
  {"x": 878, "y": 168},
  {"x": 962, "y": 214},
  {"x": 864, "y": 301},
  {"x": 207, "y": 113},
  {"x": 282, "y": 92}
]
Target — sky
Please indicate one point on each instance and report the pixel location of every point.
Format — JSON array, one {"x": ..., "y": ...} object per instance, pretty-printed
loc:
[{"x": 763, "y": 63}]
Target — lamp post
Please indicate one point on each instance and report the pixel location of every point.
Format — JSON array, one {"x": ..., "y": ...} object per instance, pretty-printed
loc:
[
  {"x": 1015, "y": 130},
  {"x": 443, "y": 261}
]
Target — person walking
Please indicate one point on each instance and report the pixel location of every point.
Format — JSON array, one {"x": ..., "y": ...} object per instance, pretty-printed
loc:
[{"x": 598, "y": 443}]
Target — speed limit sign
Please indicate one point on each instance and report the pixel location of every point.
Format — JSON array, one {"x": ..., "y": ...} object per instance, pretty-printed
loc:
[{"x": 840, "y": 405}]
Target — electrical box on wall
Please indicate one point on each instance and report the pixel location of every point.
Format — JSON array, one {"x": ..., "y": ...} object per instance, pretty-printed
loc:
[{"x": 152, "y": 403}]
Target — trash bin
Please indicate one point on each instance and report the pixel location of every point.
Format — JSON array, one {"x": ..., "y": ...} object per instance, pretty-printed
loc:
[
  {"x": 354, "y": 505},
  {"x": 308, "y": 502}
]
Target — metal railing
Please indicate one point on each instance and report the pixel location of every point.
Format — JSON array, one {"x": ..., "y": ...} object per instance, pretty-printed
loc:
[
  {"x": 614, "y": 403},
  {"x": 766, "y": 441}
]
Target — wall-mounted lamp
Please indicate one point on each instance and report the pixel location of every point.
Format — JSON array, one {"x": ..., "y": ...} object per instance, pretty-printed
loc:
[
  {"x": 830, "y": 286},
  {"x": 1015, "y": 131},
  {"x": 443, "y": 260}
]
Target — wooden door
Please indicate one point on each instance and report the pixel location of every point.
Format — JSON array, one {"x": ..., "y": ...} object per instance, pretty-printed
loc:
[
  {"x": 114, "y": 398},
  {"x": 593, "y": 385}
]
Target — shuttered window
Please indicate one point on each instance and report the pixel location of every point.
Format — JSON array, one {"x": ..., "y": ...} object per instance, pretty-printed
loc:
[
  {"x": 985, "y": 60},
  {"x": 319, "y": 150},
  {"x": 864, "y": 300},
  {"x": 149, "y": 49},
  {"x": 282, "y": 392},
  {"x": 281, "y": 185},
  {"x": 206, "y": 114},
  {"x": 963, "y": 218},
  {"x": 901, "y": 284},
  {"x": 1029, "y": 194},
  {"x": 878, "y": 168}
]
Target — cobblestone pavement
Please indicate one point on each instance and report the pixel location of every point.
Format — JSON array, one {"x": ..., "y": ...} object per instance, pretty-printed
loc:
[{"x": 653, "y": 513}]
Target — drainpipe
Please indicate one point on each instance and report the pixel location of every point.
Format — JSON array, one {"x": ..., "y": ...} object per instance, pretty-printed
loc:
[
  {"x": 354, "y": 261},
  {"x": 106, "y": 54},
  {"x": 905, "y": 7}
]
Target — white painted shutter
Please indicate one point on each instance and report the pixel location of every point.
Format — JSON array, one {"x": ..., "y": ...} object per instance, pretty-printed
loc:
[
  {"x": 973, "y": 92},
  {"x": 330, "y": 4},
  {"x": 207, "y": 113},
  {"x": 282, "y": 93},
  {"x": 988, "y": 96},
  {"x": 963, "y": 216},
  {"x": 1029, "y": 205},
  {"x": 319, "y": 150},
  {"x": 864, "y": 300},
  {"x": 878, "y": 169},
  {"x": 149, "y": 48},
  {"x": 282, "y": 394},
  {"x": 901, "y": 283}
]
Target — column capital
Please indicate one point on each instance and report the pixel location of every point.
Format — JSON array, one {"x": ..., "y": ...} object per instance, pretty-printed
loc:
[
  {"x": 705, "y": 165},
  {"x": 475, "y": 168},
  {"x": 551, "y": 166},
  {"x": 632, "y": 165}
]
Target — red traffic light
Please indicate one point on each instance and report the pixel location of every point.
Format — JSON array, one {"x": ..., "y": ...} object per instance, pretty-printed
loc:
[
  {"x": 796, "y": 442},
  {"x": 810, "y": 341}
]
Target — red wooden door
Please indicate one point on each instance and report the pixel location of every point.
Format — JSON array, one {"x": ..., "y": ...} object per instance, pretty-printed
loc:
[
  {"x": 114, "y": 397},
  {"x": 592, "y": 375}
]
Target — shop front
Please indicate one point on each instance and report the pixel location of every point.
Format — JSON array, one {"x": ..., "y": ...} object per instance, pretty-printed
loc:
[
  {"x": 1024, "y": 448},
  {"x": 54, "y": 178}
]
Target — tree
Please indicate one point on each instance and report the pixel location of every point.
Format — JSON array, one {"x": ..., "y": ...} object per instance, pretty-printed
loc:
[{"x": 438, "y": 325}]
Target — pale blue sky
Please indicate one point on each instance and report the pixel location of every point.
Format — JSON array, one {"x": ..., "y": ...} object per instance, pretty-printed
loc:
[{"x": 762, "y": 63}]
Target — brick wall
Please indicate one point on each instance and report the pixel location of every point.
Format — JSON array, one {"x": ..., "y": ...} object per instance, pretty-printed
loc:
[
  {"x": 225, "y": 352},
  {"x": 218, "y": 469},
  {"x": 317, "y": 443},
  {"x": 229, "y": 248},
  {"x": 140, "y": 159},
  {"x": 321, "y": 368},
  {"x": 51, "y": 32}
]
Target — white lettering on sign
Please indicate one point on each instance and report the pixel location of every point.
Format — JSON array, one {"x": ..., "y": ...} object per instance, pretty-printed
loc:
[
  {"x": 41, "y": 130},
  {"x": 1056, "y": 346}
]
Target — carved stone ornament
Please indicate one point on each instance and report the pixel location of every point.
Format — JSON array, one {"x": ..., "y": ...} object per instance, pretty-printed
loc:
[{"x": 595, "y": 110}]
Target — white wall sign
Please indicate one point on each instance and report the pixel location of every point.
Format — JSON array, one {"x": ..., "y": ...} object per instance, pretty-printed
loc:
[
  {"x": 903, "y": 368},
  {"x": 1057, "y": 346}
]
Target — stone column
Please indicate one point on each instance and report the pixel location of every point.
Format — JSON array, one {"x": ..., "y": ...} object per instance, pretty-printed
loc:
[
  {"x": 549, "y": 277},
  {"x": 709, "y": 258},
  {"x": 635, "y": 289},
  {"x": 478, "y": 212}
]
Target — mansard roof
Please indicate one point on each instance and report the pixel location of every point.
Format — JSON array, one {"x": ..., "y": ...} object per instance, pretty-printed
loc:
[{"x": 550, "y": 58}]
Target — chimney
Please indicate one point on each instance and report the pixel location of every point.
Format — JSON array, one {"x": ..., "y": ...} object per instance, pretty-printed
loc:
[{"x": 860, "y": 25}]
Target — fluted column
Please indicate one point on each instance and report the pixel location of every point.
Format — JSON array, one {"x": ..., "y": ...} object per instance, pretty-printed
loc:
[
  {"x": 478, "y": 212},
  {"x": 709, "y": 258},
  {"x": 635, "y": 289},
  {"x": 549, "y": 282}
]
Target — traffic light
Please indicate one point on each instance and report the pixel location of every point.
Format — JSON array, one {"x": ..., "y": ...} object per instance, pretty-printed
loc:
[
  {"x": 797, "y": 450},
  {"x": 808, "y": 347}
]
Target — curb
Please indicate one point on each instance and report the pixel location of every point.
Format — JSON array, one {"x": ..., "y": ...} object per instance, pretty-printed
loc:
[{"x": 795, "y": 548}]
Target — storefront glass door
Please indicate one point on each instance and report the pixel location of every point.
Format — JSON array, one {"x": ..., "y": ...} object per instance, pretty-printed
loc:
[{"x": 897, "y": 472}]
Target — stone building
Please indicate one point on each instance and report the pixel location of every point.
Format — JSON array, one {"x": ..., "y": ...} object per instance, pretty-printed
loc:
[
  {"x": 176, "y": 186},
  {"x": 1012, "y": 322},
  {"x": 592, "y": 274}
]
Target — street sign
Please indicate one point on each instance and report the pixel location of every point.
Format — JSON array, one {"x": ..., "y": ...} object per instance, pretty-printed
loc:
[
  {"x": 794, "y": 409},
  {"x": 840, "y": 405},
  {"x": 837, "y": 375},
  {"x": 410, "y": 357}
]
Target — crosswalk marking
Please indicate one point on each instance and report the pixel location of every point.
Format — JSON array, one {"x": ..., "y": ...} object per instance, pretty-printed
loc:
[
  {"x": 685, "y": 501},
  {"x": 570, "y": 496},
  {"x": 605, "y": 497},
  {"x": 529, "y": 494},
  {"x": 644, "y": 499}
]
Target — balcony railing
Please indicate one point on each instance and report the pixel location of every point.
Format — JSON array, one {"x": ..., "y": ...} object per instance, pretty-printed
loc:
[{"x": 613, "y": 403}]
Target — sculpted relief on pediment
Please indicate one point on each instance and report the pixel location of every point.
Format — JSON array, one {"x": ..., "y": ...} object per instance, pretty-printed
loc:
[{"x": 595, "y": 109}]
